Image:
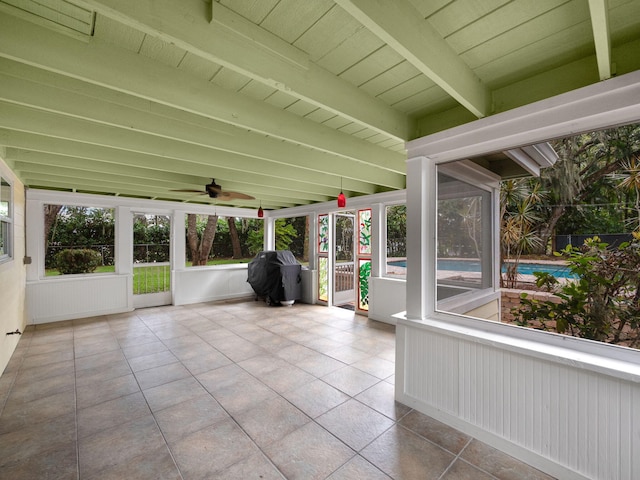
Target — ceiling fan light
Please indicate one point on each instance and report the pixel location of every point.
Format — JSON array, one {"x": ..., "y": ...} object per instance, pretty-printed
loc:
[{"x": 342, "y": 200}]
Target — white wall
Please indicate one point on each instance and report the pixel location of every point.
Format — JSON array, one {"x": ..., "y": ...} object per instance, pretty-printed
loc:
[
  {"x": 387, "y": 296},
  {"x": 571, "y": 414},
  {"x": 208, "y": 284},
  {"x": 12, "y": 276}
]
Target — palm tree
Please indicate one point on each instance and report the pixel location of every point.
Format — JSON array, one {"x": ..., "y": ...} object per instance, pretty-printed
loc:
[
  {"x": 519, "y": 201},
  {"x": 631, "y": 183}
]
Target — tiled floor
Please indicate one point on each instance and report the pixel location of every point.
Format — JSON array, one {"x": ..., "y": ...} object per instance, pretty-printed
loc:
[{"x": 223, "y": 390}]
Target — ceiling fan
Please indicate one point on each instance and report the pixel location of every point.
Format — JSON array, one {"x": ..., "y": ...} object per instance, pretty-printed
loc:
[{"x": 215, "y": 191}]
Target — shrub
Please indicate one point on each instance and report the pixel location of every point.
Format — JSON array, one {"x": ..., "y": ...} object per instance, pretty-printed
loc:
[
  {"x": 603, "y": 304},
  {"x": 81, "y": 260}
]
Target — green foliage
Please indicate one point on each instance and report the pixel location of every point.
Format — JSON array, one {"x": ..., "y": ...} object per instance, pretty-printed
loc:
[
  {"x": 364, "y": 274},
  {"x": 285, "y": 233},
  {"x": 77, "y": 227},
  {"x": 82, "y": 260},
  {"x": 603, "y": 304}
]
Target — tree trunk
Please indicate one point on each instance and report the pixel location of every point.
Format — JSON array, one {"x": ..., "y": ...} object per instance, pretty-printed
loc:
[
  {"x": 305, "y": 248},
  {"x": 207, "y": 239},
  {"x": 50, "y": 216},
  {"x": 200, "y": 249},
  {"x": 192, "y": 238},
  {"x": 235, "y": 240},
  {"x": 549, "y": 227}
]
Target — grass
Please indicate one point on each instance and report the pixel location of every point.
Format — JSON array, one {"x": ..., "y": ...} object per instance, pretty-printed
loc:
[{"x": 151, "y": 279}]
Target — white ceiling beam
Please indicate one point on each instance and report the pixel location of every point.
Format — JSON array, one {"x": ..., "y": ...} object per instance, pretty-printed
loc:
[
  {"x": 65, "y": 98},
  {"x": 235, "y": 43},
  {"x": 601, "y": 36},
  {"x": 73, "y": 154},
  {"x": 102, "y": 64},
  {"x": 46, "y": 163},
  {"x": 15, "y": 117},
  {"x": 401, "y": 26},
  {"x": 111, "y": 188}
]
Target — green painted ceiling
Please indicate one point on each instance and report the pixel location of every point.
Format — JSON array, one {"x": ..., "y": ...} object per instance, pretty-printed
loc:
[{"x": 279, "y": 99}]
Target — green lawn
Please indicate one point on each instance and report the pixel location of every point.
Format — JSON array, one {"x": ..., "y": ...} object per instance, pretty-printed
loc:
[{"x": 151, "y": 279}]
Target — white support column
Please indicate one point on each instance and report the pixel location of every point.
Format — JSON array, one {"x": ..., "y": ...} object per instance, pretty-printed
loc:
[
  {"x": 124, "y": 241},
  {"x": 269, "y": 233},
  {"x": 34, "y": 229},
  {"x": 178, "y": 241},
  {"x": 421, "y": 237},
  {"x": 378, "y": 239},
  {"x": 313, "y": 241}
]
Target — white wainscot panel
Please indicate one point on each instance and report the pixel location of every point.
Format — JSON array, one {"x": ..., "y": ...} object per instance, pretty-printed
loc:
[
  {"x": 557, "y": 415},
  {"x": 81, "y": 296},
  {"x": 208, "y": 284},
  {"x": 387, "y": 296}
]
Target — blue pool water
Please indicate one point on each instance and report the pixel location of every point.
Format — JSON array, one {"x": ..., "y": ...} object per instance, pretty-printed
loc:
[{"x": 558, "y": 271}]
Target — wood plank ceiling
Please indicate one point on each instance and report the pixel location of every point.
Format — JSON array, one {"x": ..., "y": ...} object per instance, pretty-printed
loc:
[{"x": 283, "y": 100}]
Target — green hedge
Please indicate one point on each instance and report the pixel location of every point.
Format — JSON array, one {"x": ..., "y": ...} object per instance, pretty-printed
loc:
[{"x": 80, "y": 260}]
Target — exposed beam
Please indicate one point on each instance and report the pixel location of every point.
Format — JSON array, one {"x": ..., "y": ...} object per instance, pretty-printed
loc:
[
  {"x": 30, "y": 86},
  {"x": 46, "y": 163},
  {"x": 106, "y": 188},
  {"x": 25, "y": 119},
  {"x": 401, "y": 26},
  {"x": 102, "y": 64},
  {"x": 601, "y": 36},
  {"x": 78, "y": 152},
  {"x": 234, "y": 42}
]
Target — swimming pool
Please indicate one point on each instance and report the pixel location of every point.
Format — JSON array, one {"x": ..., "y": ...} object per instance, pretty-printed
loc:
[{"x": 559, "y": 271}]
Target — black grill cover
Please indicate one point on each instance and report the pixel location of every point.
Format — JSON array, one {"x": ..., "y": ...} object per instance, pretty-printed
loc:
[{"x": 275, "y": 275}]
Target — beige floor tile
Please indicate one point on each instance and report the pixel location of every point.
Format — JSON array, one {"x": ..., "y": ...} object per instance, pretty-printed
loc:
[
  {"x": 99, "y": 392},
  {"x": 152, "y": 377},
  {"x": 316, "y": 398},
  {"x": 211, "y": 450},
  {"x": 118, "y": 445},
  {"x": 271, "y": 420},
  {"x": 169, "y": 394},
  {"x": 256, "y": 466},
  {"x": 187, "y": 417},
  {"x": 19, "y": 415},
  {"x": 235, "y": 388},
  {"x": 309, "y": 453},
  {"x": 381, "y": 397},
  {"x": 461, "y": 470},
  {"x": 150, "y": 348},
  {"x": 358, "y": 468},
  {"x": 226, "y": 390},
  {"x": 355, "y": 424},
  {"x": 19, "y": 445},
  {"x": 155, "y": 464},
  {"x": 157, "y": 359},
  {"x": 499, "y": 464},
  {"x": 402, "y": 454},
  {"x": 435, "y": 431},
  {"x": 376, "y": 366},
  {"x": 60, "y": 463},
  {"x": 111, "y": 413},
  {"x": 350, "y": 380}
]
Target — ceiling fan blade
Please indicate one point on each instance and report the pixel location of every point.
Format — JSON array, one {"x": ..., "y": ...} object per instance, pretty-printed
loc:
[
  {"x": 235, "y": 195},
  {"x": 190, "y": 191}
]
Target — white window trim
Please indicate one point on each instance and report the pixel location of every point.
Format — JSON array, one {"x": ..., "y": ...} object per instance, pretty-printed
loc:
[
  {"x": 609, "y": 103},
  {"x": 10, "y": 255}
]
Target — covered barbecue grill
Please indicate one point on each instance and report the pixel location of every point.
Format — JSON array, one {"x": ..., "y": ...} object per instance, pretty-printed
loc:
[{"x": 275, "y": 276}]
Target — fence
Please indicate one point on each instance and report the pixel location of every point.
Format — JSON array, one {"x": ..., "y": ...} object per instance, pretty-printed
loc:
[
  {"x": 106, "y": 253},
  {"x": 613, "y": 239},
  {"x": 142, "y": 253}
]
